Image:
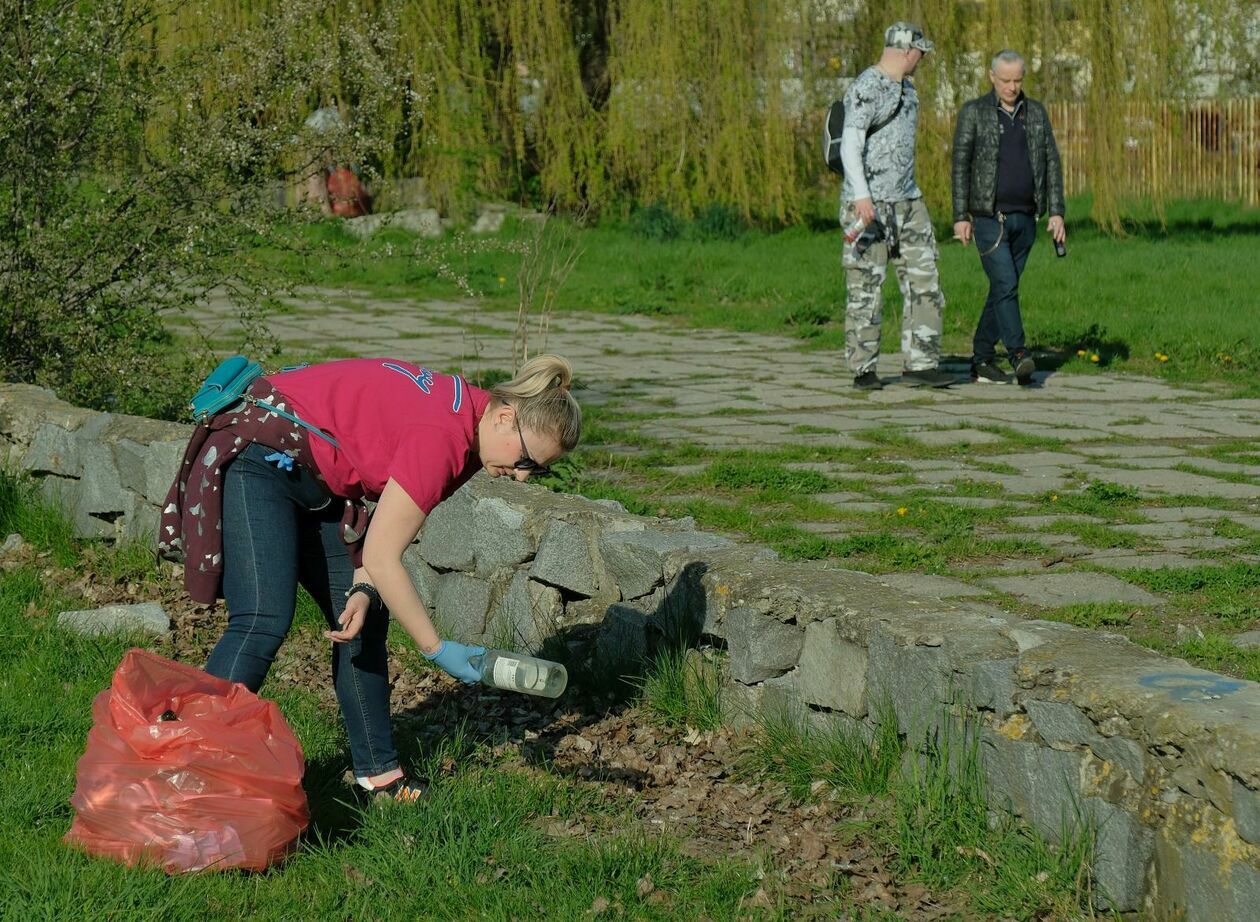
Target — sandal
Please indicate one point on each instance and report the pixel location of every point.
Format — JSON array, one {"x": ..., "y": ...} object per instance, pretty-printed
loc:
[{"x": 403, "y": 790}]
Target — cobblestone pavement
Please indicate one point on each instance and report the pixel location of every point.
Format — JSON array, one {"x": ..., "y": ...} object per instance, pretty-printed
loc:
[{"x": 724, "y": 390}]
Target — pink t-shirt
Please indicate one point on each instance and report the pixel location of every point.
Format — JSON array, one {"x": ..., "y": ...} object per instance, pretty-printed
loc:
[{"x": 390, "y": 419}]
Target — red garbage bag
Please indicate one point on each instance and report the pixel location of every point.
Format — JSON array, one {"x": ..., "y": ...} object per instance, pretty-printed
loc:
[
  {"x": 186, "y": 771},
  {"x": 347, "y": 196}
]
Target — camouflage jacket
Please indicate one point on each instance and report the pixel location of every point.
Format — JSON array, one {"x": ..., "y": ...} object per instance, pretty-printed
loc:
[{"x": 975, "y": 158}]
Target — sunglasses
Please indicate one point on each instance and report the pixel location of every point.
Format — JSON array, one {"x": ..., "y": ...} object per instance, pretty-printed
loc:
[{"x": 526, "y": 463}]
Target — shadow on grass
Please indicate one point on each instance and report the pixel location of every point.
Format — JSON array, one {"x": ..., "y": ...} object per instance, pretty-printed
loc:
[
  {"x": 1067, "y": 347},
  {"x": 336, "y": 807},
  {"x": 1197, "y": 229},
  {"x": 608, "y": 665}
]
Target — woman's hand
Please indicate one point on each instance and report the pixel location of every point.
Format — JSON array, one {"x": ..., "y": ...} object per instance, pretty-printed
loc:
[
  {"x": 454, "y": 658},
  {"x": 351, "y": 619}
]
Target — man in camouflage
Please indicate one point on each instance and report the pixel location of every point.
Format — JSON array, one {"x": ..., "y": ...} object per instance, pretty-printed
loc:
[{"x": 879, "y": 184}]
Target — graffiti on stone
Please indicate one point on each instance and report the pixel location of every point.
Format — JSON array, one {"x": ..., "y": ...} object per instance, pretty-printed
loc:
[{"x": 1191, "y": 686}]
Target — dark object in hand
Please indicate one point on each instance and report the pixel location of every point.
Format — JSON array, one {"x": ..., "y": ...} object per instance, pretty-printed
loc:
[
  {"x": 1059, "y": 248},
  {"x": 872, "y": 233}
]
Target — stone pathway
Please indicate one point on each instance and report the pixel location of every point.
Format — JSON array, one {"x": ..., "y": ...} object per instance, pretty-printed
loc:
[{"x": 727, "y": 390}]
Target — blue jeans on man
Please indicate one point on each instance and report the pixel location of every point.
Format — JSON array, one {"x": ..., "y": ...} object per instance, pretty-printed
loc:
[
  {"x": 281, "y": 528},
  {"x": 1003, "y": 260}
]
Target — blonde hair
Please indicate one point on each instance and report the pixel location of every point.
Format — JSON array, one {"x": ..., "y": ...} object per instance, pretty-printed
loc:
[{"x": 540, "y": 395}]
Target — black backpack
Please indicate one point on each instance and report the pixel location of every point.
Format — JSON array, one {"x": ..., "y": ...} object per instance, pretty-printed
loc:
[{"x": 833, "y": 130}]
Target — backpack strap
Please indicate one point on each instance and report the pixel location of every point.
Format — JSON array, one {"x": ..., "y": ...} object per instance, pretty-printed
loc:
[
  {"x": 291, "y": 417},
  {"x": 886, "y": 122},
  {"x": 833, "y": 131}
]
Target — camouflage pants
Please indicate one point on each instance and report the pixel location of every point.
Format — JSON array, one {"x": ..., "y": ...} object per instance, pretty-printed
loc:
[{"x": 920, "y": 290}]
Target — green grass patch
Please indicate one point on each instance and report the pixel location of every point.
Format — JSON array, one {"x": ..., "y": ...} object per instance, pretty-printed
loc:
[
  {"x": 938, "y": 520},
  {"x": 1215, "y": 651},
  {"x": 1023, "y": 438},
  {"x": 683, "y": 688},
  {"x": 1093, "y": 614},
  {"x": 1227, "y": 476},
  {"x": 994, "y": 467},
  {"x": 930, "y": 809},
  {"x": 1093, "y": 535},
  {"x": 23, "y": 511},
  {"x": 1110, "y": 501},
  {"x": 943, "y": 834},
  {"x": 763, "y": 476},
  {"x": 806, "y": 429},
  {"x": 1184, "y": 580},
  {"x": 982, "y": 488},
  {"x": 850, "y": 759},
  {"x": 1228, "y": 528},
  {"x": 1236, "y": 451}
]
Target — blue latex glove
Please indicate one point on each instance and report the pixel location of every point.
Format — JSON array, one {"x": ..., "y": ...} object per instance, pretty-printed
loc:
[
  {"x": 453, "y": 657},
  {"x": 280, "y": 460}
]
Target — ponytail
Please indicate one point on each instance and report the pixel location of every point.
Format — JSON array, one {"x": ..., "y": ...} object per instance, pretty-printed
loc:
[{"x": 540, "y": 395}]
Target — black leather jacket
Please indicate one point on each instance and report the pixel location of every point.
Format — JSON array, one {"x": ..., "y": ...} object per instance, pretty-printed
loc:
[{"x": 976, "y": 154}]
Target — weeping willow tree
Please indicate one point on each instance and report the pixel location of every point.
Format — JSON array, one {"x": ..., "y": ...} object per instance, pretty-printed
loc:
[
  {"x": 697, "y": 112},
  {"x": 604, "y": 104}
]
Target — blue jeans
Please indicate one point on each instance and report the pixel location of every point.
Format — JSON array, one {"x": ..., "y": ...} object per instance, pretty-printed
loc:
[
  {"x": 1000, "y": 318},
  {"x": 281, "y": 528}
]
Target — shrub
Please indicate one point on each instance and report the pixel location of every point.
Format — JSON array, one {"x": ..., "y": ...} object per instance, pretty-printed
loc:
[
  {"x": 132, "y": 191},
  {"x": 718, "y": 222},
  {"x": 656, "y": 222}
]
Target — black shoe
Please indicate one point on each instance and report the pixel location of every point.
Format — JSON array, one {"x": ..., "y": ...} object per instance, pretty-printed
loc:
[
  {"x": 1024, "y": 367},
  {"x": 868, "y": 381},
  {"x": 988, "y": 373},
  {"x": 930, "y": 376}
]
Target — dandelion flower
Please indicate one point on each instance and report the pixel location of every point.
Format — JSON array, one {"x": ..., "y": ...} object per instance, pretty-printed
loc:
[
  {"x": 1054, "y": 497},
  {"x": 1094, "y": 357},
  {"x": 1080, "y": 353},
  {"x": 902, "y": 510},
  {"x": 502, "y": 280}
]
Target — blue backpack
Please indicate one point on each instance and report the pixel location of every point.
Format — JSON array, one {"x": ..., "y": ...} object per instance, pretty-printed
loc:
[{"x": 225, "y": 387}]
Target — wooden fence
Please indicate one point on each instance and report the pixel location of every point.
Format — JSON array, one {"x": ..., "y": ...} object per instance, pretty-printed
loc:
[{"x": 1172, "y": 150}]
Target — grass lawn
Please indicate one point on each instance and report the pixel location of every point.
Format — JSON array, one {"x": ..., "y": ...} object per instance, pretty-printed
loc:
[
  {"x": 1186, "y": 290},
  {"x": 507, "y": 833},
  {"x": 434, "y": 861}
]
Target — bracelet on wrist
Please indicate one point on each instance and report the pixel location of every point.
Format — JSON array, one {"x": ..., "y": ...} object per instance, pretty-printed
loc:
[{"x": 374, "y": 597}]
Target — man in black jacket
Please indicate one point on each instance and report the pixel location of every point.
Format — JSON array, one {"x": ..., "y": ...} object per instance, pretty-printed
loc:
[{"x": 1006, "y": 174}]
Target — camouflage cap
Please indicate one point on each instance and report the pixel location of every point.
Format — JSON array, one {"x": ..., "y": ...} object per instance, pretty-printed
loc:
[{"x": 906, "y": 35}]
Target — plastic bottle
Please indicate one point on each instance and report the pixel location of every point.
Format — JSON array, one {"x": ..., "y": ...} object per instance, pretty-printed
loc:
[
  {"x": 518, "y": 672},
  {"x": 853, "y": 229}
]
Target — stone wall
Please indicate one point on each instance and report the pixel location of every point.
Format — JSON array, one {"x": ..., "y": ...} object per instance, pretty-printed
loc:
[{"x": 1163, "y": 759}]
